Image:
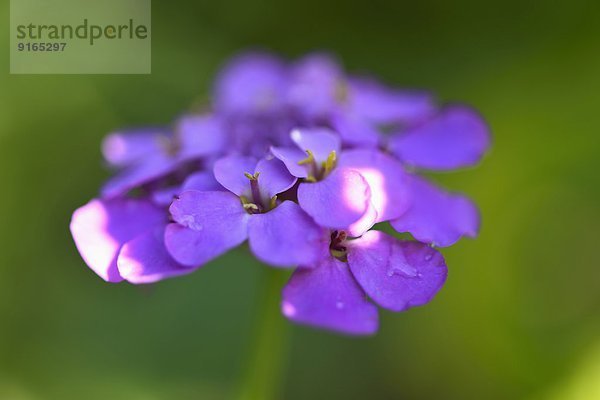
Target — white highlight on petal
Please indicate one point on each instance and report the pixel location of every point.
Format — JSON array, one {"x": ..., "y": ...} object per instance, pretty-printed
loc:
[
  {"x": 114, "y": 147},
  {"x": 288, "y": 309},
  {"x": 296, "y": 136},
  {"x": 129, "y": 266},
  {"x": 97, "y": 247},
  {"x": 364, "y": 223},
  {"x": 376, "y": 182},
  {"x": 353, "y": 191}
]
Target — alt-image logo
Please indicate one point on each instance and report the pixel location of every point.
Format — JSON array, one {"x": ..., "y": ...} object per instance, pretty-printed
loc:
[
  {"x": 84, "y": 31},
  {"x": 73, "y": 37}
]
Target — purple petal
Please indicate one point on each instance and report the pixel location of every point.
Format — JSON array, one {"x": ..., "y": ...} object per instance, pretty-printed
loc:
[
  {"x": 164, "y": 196},
  {"x": 151, "y": 169},
  {"x": 250, "y": 83},
  {"x": 396, "y": 274},
  {"x": 286, "y": 237},
  {"x": 320, "y": 141},
  {"x": 125, "y": 148},
  {"x": 390, "y": 194},
  {"x": 199, "y": 136},
  {"x": 337, "y": 201},
  {"x": 208, "y": 224},
  {"x": 101, "y": 227},
  {"x": 379, "y": 104},
  {"x": 315, "y": 83},
  {"x": 255, "y": 134},
  {"x": 457, "y": 137},
  {"x": 327, "y": 296},
  {"x": 202, "y": 181},
  {"x": 229, "y": 172},
  {"x": 436, "y": 216},
  {"x": 364, "y": 223},
  {"x": 145, "y": 259},
  {"x": 273, "y": 177},
  {"x": 291, "y": 157},
  {"x": 354, "y": 130}
]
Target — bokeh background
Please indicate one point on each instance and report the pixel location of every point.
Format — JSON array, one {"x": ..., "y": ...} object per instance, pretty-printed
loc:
[{"x": 519, "y": 317}]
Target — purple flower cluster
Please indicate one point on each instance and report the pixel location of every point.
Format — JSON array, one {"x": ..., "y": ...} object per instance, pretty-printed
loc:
[{"x": 301, "y": 160}]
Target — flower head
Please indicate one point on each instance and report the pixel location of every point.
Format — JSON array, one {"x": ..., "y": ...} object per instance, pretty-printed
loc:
[
  {"x": 301, "y": 160},
  {"x": 208, "y": 224}
]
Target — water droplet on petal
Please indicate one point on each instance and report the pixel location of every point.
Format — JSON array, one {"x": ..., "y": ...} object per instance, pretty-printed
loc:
[
  {"x": 403, "y": 269},
  {"x": 339, "y": 305},
  {"x": 428, "y": 256},
  {"x": 190, "y": 222}
]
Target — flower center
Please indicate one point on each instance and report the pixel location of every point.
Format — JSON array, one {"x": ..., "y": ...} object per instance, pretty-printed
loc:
[
  {"x": 318, "y": 172},
  {"x": 337, "y": 245},
  {"x": 341, "y": 92},
  {"x": 169, "y": 146},
  {"x": 255, "y": 204}
]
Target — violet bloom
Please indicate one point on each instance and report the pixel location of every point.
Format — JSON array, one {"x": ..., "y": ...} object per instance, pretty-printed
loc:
[
  {"x": 440, "y": 139},
  {"x": 250, "y": 84},
  {"x": 410, "y": 126},
  {"x": 202, "y": 180},
  {"x": 456, "y": 137},
  {"x": 339, "y": 189},
  {"x": 332, "y": 293},
  {"x": 249, "y": 97},
  {"x": 208, "y": 224},
  {"x": 144, "y": 157},
  {"x": 357, "y": 108},
  {"x": 122, "y": 239}
]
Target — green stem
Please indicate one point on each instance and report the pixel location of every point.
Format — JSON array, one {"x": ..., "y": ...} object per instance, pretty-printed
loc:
[{"x": 265, "y": 369}]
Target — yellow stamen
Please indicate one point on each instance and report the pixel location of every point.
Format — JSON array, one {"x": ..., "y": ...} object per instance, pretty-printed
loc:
[
  {"x": 250, "y": 206},
  {"x": 339, "y": 254},
  {"x": 308, "y": 160},
  {"x": 329, "y": 165},
  {"x": 273, "y": 202},
  {"x": 252, "y": 177},
  {"x": 342, "y": 91}
]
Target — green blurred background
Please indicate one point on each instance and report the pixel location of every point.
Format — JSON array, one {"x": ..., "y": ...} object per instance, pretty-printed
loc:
[{"x": 519, "y": 317}]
